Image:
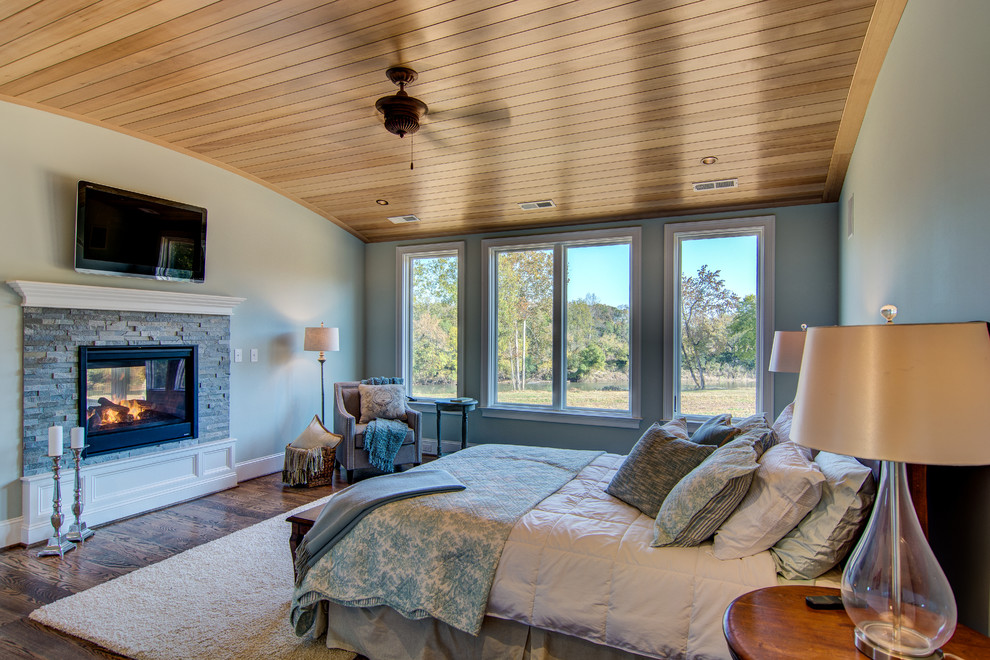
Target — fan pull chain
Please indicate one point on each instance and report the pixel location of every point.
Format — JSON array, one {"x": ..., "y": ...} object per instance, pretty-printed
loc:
[{"x": 410, "y": 152}]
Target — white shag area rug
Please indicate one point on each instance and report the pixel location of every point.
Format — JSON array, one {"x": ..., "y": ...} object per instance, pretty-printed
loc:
[{"x": 225, "y": 599}]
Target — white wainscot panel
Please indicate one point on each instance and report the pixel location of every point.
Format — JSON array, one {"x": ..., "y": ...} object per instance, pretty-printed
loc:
[{"x": 119, "y": 489}]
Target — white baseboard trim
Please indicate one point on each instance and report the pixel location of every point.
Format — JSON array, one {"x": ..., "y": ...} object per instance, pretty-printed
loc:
[
  {"x": 118, "y": 489},
  {"x": 10, "y": 532},
  {"x": 259, "y": 467}
]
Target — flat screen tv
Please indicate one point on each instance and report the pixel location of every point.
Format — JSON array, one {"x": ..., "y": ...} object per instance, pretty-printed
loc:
[{"x": 126, "y": 233}]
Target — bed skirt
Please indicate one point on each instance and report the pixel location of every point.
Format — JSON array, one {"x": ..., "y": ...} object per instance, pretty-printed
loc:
[{"x": 381, "y": 632}]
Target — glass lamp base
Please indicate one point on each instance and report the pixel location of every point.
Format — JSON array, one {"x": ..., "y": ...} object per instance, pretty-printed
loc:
[{"x": 867, "y": 648}]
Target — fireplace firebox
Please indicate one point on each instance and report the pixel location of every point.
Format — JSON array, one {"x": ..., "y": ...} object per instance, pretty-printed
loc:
[{"x": 132, "y": 396}]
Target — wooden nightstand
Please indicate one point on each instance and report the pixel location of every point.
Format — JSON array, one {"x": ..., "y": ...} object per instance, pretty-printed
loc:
[{"x": 775, "y": 624}]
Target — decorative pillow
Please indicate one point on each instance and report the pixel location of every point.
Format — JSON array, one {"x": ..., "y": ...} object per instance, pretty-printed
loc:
[
  {"x": 316, "y": 435},
  {"x": 761, "y": 437},
  {"x": 703, "y": 499},
  {"x": 382, "y": 402},
  {"x": 717, "y": 431},
  {"x": 751, "y": 422},
  {"x": 782, "y": 425},
  {"x": 825, "y": 535},
  {"x": 659, "y": 460},
  {"x": 785, "y": 488}
]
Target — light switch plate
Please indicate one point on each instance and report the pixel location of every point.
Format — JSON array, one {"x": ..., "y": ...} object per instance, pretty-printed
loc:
[
  {"x": 238, "y": 355},
  {"x": 254, "y": 355}
]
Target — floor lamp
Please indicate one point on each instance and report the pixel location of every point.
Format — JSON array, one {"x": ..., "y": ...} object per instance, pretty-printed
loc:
[
  {"x": 322, "y": 339},
  {"x": 886, "y": 392}
]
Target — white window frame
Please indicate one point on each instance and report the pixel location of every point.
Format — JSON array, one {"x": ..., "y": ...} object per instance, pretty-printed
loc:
[
  {"x": 490, "y": 408},
  {"x": 404, "y": 256},
  {"x": 673, "y": 233}
]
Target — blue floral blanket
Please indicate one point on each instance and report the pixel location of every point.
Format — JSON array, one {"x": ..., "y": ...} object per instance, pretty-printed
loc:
[{"x": 435, "y": 555}]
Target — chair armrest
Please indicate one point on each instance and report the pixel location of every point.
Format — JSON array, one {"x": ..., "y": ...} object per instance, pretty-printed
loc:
[{"x": 413, "y": 419}]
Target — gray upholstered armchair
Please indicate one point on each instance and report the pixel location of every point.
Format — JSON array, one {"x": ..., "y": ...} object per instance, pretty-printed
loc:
[{"x": 346, "y": 415}]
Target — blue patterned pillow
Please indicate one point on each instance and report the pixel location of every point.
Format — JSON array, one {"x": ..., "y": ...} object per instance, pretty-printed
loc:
[
  {"x": 659, "y": 460},
  {"x": 703, "y": 499}
]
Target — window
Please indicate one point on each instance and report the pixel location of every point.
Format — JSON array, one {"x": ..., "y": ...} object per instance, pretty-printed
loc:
[
  {"x": 430, "y": 318},
  {"x": 562, "y": 331},
  {"x": 718, "y": 317}
]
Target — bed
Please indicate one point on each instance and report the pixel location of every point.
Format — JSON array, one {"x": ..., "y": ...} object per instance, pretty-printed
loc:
[{"x": 576, "y": 578}]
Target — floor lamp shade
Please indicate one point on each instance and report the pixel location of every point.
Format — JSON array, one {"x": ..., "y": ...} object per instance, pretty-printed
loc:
[
  {"x": 322, "y": 339},
  {"x": 889, "y": 393}
]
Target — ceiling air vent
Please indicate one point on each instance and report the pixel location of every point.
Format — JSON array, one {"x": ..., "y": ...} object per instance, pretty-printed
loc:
[
  {"x": 402, "y": 219},
  {"x": 715, "y": 185},
  {"x": 543, "y": 204}
]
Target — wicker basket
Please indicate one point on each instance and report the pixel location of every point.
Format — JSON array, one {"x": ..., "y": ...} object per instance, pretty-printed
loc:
[{"x": 310, "y": 476}]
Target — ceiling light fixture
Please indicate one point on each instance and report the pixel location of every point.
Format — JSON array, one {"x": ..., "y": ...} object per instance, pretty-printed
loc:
[
  {"x": 709, "y": 160},
  {"x": 381, "y": 202},
  {"x": 402, "y": 112}
]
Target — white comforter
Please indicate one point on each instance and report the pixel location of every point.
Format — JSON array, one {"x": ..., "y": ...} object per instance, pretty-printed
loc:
[{"x": 580, "y": 563}]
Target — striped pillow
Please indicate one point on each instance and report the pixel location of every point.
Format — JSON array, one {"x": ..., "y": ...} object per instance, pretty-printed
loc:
[{"x": 703, "y": 499}]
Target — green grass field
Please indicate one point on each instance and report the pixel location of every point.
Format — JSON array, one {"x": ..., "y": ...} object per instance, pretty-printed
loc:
[{"x": 738, "y": 400}]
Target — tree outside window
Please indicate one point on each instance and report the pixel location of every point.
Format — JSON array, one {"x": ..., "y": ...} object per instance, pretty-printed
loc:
[
  {"x": 718, "y": 327},
  {"x": 430, "y": 317},
  {"x": 560, "y": 323}
]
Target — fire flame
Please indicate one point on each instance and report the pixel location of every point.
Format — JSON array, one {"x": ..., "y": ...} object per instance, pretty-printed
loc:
[{"x": 134, "y": 411}]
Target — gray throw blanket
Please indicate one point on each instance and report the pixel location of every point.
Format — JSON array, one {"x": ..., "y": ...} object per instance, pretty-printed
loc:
[
  {"x": 349, "y": 506},
  {"x": 382, "y": 439},
  {"x": 436, "y": 556}
]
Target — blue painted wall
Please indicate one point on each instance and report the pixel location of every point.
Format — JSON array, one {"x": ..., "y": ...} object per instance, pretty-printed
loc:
[
  {"x": 919, "y": 187},
  {"x": 806, "y": 276}
]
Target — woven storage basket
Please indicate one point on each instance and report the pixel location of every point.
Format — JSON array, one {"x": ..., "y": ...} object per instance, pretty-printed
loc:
[{"x": 321, "y": 477}]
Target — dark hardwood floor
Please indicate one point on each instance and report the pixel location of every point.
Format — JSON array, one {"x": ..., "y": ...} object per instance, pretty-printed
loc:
[{"x": 28, "y": 581}]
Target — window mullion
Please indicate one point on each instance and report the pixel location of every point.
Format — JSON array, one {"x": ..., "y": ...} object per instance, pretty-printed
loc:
[{"x": 559, "y": 329}]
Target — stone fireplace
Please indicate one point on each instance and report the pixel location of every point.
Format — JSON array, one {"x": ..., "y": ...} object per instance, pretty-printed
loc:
[{"x": 147, "y": 373}]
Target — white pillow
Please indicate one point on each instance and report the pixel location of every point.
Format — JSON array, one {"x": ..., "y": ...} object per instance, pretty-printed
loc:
[
  {"x": 315, "y": 435},
  {"x": 785, "y": 487},
  {"x": 824, "y": 536}
]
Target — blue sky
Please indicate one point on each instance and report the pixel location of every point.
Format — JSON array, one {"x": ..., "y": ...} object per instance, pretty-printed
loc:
[
  {"x": 604, "y": 269},
  {"x": 735, "y": 256}
]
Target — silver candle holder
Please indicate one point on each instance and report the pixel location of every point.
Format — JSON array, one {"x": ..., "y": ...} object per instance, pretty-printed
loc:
[
  {"x": 57, "y": 544},
  {"x": 78, "y": 531}
]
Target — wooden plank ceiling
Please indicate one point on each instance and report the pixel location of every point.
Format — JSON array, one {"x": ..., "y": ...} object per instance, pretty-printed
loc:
[{"x": 604, "y": 106}]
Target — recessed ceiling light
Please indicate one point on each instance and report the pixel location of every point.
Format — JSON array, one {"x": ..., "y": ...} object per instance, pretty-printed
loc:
[
  {"x": 381, "y": 202},
  {"x": 709, "y": 160}
]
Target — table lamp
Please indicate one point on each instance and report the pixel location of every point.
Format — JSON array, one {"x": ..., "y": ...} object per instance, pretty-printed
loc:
[
  {"x": 889, "y": 393},
  {"x": 322, "y": 339},
  {"x": 785, "y": 355}
]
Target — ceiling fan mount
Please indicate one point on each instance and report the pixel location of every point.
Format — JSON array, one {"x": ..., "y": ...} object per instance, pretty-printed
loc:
[{"x": 402, "y": 112}]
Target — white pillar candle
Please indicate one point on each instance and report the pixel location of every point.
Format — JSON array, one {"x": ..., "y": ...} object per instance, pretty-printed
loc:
[
  {"x": 54, "y": 440},
  {"x": 77, "y": 437}
]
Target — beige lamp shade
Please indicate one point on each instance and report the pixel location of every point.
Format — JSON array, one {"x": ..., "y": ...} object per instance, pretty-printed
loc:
[
  {"x": 321, "y": 339},
  {"x": 906, "y": 393},
  {"x": 788, "y": 346}
]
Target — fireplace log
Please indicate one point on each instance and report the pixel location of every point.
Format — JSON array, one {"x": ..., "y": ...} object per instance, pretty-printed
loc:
[{"x": 107, "y": 403}]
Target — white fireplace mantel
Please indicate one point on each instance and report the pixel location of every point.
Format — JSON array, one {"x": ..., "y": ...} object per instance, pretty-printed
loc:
[{"x": 79, "y": 296}]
